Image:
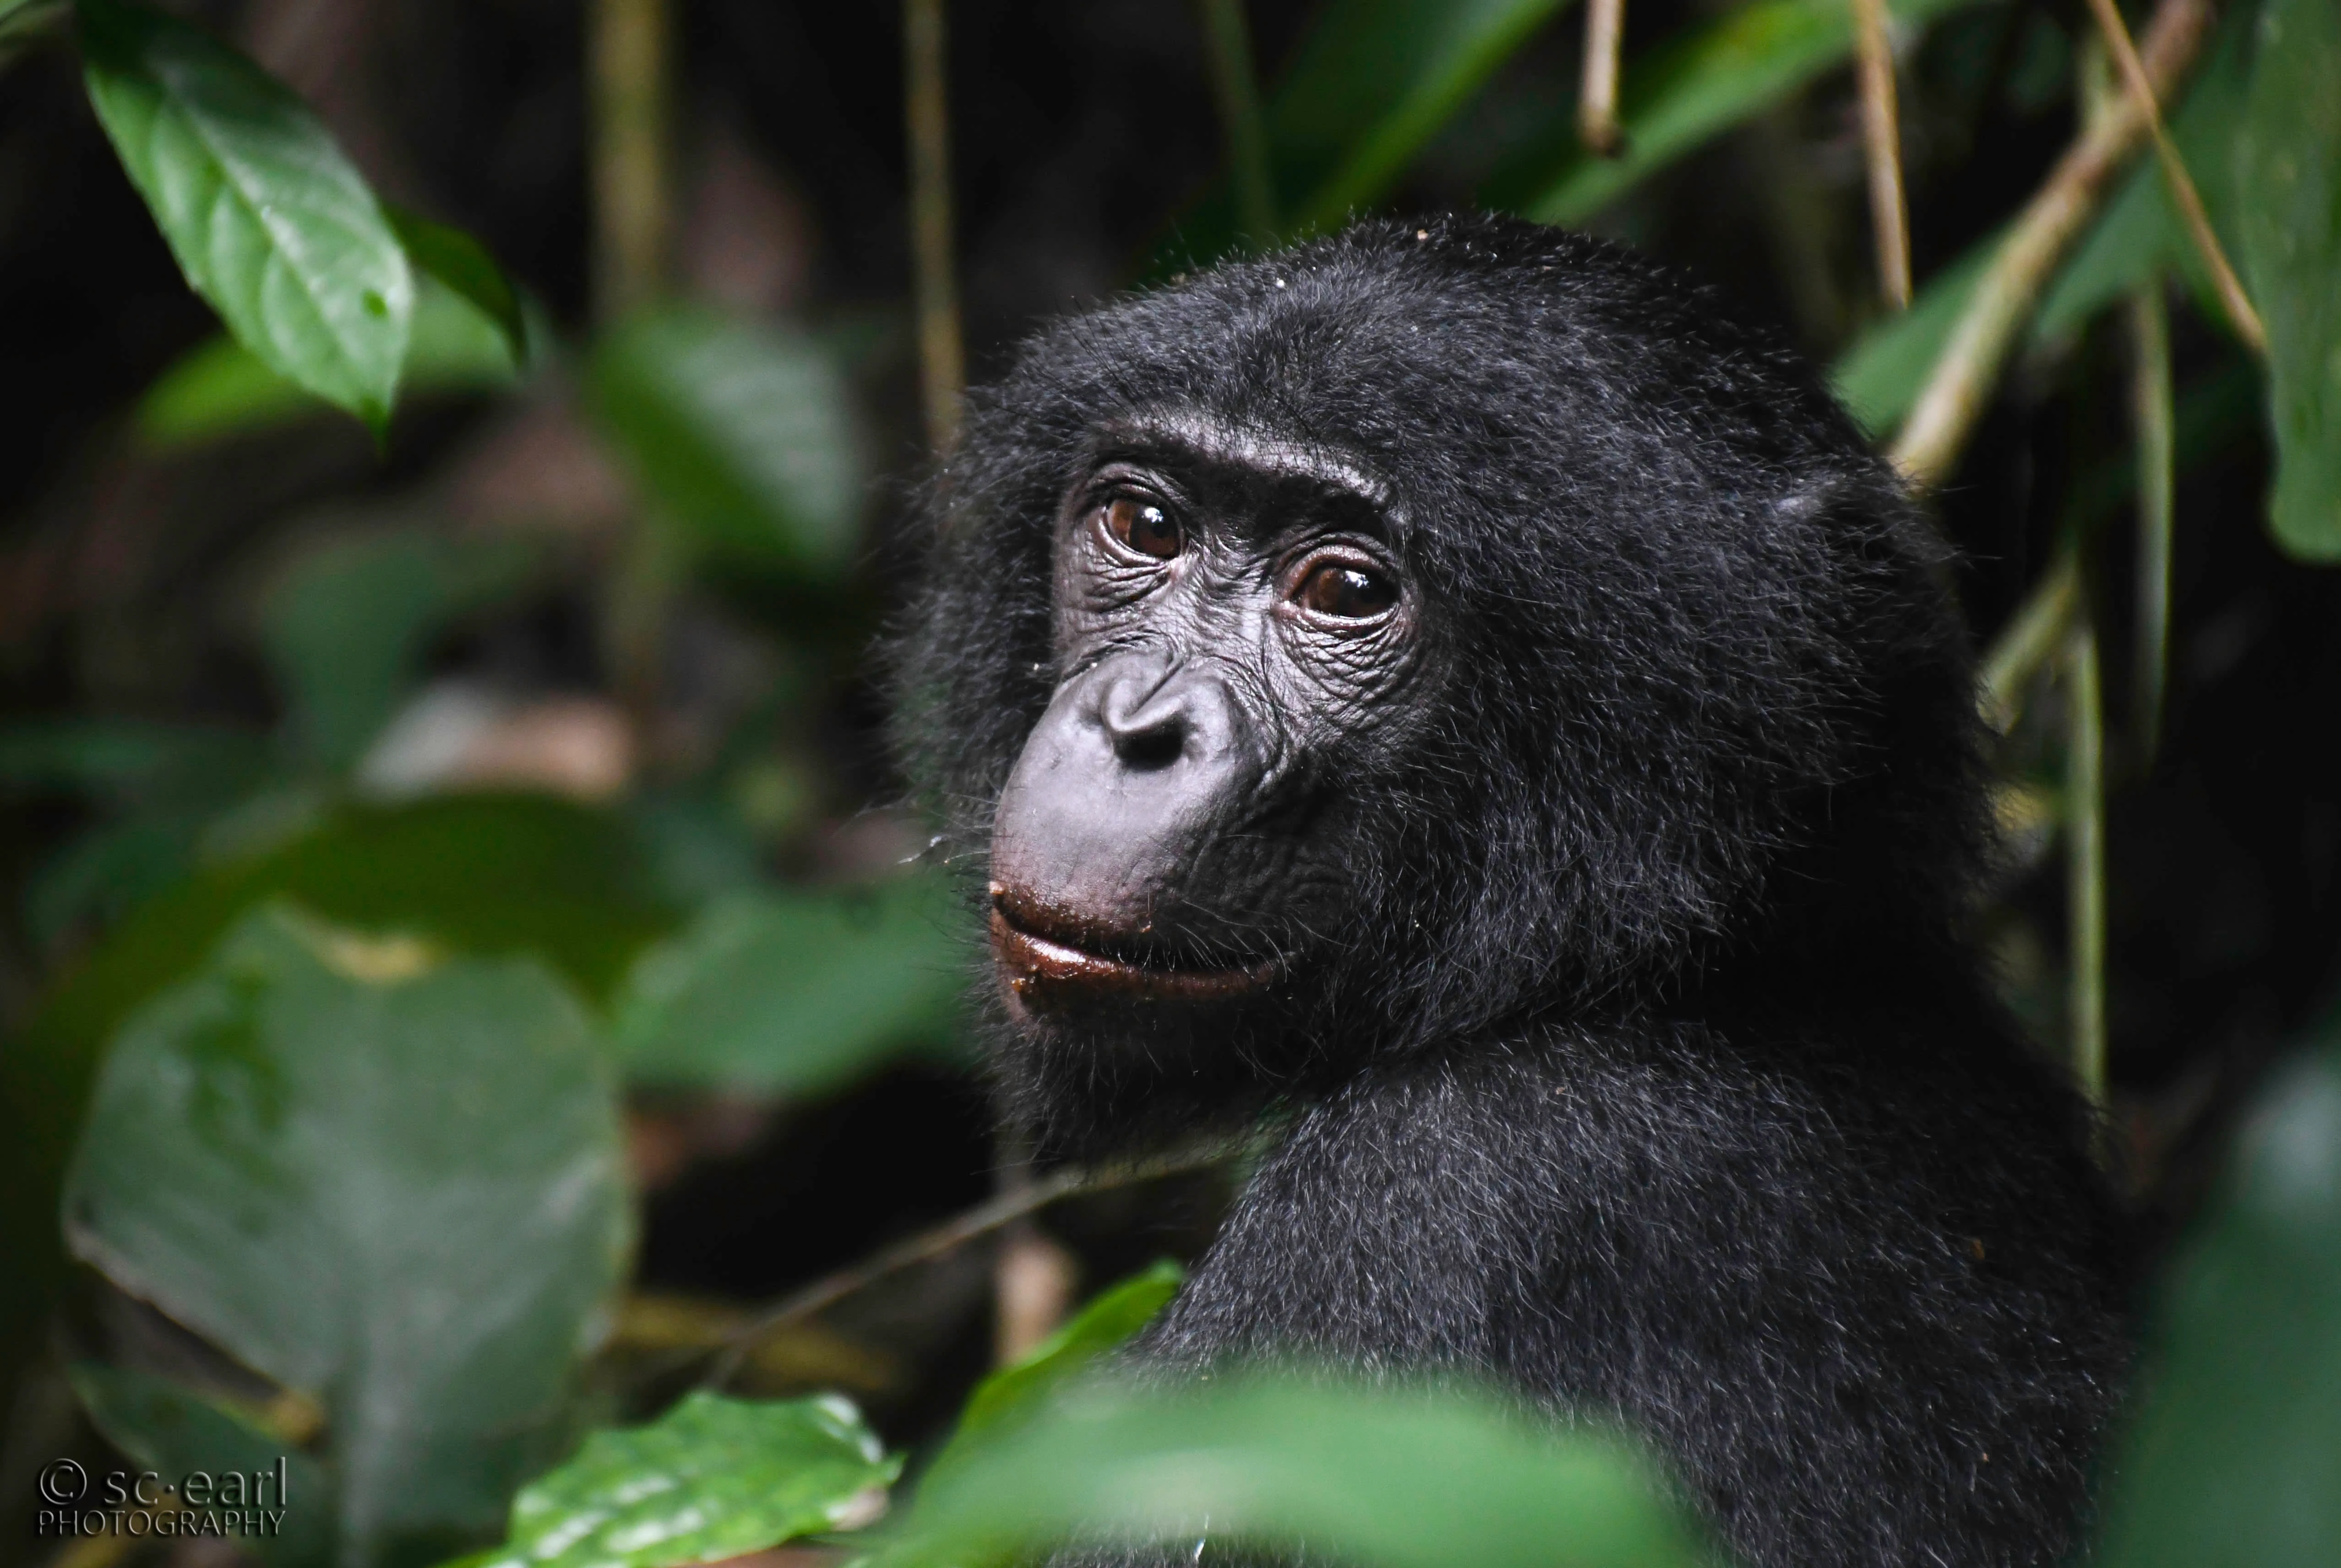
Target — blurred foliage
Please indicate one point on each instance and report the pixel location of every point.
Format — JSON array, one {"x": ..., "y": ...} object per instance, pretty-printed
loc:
[
  {"x": 447, "y": 1175},
  {"x": 356, "y": 1007},
  {"x": 2238, "y": 1441}
]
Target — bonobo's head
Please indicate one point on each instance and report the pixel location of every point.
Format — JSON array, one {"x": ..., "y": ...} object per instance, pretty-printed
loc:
[{"x": 1366, "y": 649}]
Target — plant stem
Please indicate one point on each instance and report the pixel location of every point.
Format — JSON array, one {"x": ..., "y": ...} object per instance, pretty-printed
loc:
[
  {"x": 2031, "y": 635},
  {"x": 2190, "y": 201},
  {"x": 943, "y": 358},
  {"x": 629, "y": 74},
  {"x": 2085, "y": 826},
  {"x": 1987, "y": 331},
  {"x": 1597, "y": 95},
  {"x": 1236, "y": 83},
  {"x": 1010, "y": 1205},
  {"x": 1881, "y": 135},
  {"x": 2152, "y": 413}
]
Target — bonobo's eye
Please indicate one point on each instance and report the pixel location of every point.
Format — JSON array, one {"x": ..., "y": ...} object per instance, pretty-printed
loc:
[
  {"x": 1139, "y": 525},
  {"x": 1345, "y": 590}
]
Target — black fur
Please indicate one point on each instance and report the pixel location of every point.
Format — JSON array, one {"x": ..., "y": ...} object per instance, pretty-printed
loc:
[{"x": 1647, "y": 1066}]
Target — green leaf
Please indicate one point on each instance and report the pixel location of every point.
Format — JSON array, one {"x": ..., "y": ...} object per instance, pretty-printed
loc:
[
  {"x": 429, "y": 1147},
  {"x": 474, "y": 873},
  {"x": 1683, "y": 92},
  {"x": 794, "y": 992},
  {"x": 463, "y": 265},
  {"x": 132, "y": 760},
  {"x": 712, "y": 1478},
  {"x": 742, "y": 431},
  {"x": 2232, "y": 1459},
  {"x": 270, "y": 223},
  {"x": 1110, "y": 1321},
  {"x": 1377, "y": 80},
  {"x": 1879, "y": 377},
  {"x": 1398, "y": 1477},
  {"x": 347, "y": 624},
  {"x": 173, "y": 1430},
  {"x": 220, "y": 389},
  {"x": 2288, "y": 202}
]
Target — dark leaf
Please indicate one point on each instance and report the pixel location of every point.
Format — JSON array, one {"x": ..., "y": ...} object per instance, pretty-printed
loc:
[{"x": 463, "y": 265}]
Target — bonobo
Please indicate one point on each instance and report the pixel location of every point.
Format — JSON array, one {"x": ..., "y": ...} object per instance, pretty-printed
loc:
[{"x": 1452, "y": 687}]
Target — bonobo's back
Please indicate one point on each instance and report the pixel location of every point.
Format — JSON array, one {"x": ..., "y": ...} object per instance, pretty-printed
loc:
[{"x": 1451, "y": 680}]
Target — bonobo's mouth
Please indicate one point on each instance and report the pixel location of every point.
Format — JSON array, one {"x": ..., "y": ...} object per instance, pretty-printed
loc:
[{"x": 1047, "y": 956}]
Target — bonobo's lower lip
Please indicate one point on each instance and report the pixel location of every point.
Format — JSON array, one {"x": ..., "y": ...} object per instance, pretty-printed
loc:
[{"x": 1040, "y": 967}]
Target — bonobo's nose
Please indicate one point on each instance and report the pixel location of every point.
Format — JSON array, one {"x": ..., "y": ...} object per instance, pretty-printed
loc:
[{"x": 1123, "y": 781}]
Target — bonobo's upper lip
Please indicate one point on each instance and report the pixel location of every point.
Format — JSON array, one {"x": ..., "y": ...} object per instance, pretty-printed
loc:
[{"x": 1046, "y": 952}]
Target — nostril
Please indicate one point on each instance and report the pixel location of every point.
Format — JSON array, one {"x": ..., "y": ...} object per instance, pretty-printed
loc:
[{"x": 1150, "y": 741}]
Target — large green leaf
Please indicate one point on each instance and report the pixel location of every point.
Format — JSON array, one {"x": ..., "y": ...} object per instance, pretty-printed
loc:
[
  {"x": 391, "y": 1182},
  {"x": 172, "y": 1430},
  {"x": 793, "y": 992},
  {"x": 268, "y": 220},
  {"x": 741, "y": 431},
  {"x": 1719, "y": 74},
  {"x": 1402, "y": 1478},
  {"x": 2235, "y": 1457},
  {"x": 711, "y": 1478},
  {"x": 347, "y": 624},
  {"x": 1107, "y": 1322},
  {"x": 1377, "y": 80},
  {"x": 475, "y": 873},
  {"x": 221, "y": 389},
  {"x": 2288, "y": 191}
]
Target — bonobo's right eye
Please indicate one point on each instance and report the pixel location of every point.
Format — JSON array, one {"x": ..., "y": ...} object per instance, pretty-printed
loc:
[{"x": 1136, "y": 524}]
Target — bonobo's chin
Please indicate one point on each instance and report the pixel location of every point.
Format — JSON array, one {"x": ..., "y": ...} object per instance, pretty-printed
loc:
[{"x": 1112, "y": 1045}]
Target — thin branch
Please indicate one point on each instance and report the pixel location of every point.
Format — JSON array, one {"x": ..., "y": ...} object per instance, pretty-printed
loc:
[
  {"x": 943, "y": 358},
  {"x": 2190, "y": 201},
  {"x": 1596, "y": 94},
  {"x": 2085, "y": 848},
  {"x": 2155, "y": 419},
  {"x": 1007, "y": 1207},
  {"x": 1881, "y": 136},
  {"x": 1237, "y": 85},
  {"x": 2031, "y": 635},
  {"x": 632, "y": 219},
  {"x": 1986, "y": 332}
]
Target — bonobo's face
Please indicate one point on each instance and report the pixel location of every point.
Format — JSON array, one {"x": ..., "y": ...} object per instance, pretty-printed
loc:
[{"x": 1234, "y": 636}]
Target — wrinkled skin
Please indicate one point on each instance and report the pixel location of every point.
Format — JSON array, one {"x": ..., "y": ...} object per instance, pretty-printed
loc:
[{"x": 1453, "y": 686}]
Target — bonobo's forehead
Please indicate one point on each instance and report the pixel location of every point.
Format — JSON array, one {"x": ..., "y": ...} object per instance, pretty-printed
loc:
[{"x": 1184, "y": 433}]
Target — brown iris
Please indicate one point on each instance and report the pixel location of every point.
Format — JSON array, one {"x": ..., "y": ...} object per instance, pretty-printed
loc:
[
  {"x": 1346, "y": 591},
  {"x": 1142, "y": 527}
]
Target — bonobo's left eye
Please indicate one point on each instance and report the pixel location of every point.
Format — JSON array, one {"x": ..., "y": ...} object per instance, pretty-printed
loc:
[
  {"x": 1137, "y": 524},
  {"x": 1345, "y": 590}
]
